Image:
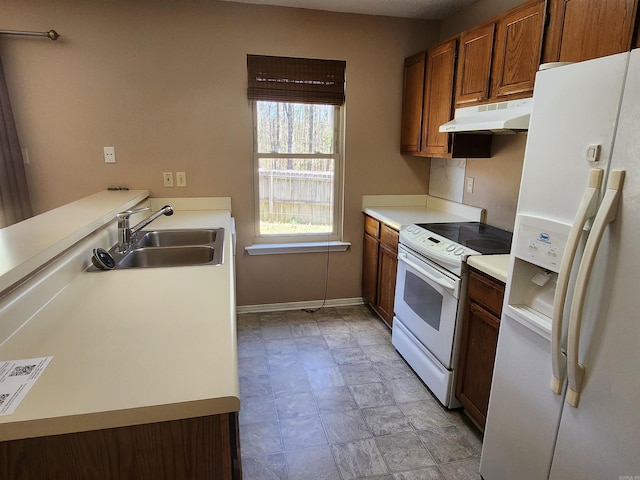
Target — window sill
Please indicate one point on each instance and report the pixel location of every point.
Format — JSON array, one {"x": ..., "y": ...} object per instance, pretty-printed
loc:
[{"x": 306, "y": 247}]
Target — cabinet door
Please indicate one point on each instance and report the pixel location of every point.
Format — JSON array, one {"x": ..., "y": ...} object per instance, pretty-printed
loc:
[
  {"x": 370, "y": 269},
  {"x": 518, "y": 50},
  {"x": 596, "y": 28},
  {"x": 438, "y": 98},
  {"x": 387, "y": 283},
  {"x": 370, "y": 259},
  {"x": 412, "y": 100},
  {"x": 474, "y": 65},
  {"x": 478, "y": 350},
  {"x": 387, "y": 272}
]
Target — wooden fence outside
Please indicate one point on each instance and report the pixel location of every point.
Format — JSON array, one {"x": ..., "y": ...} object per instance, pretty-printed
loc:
[{"x": 296, "y": 196}]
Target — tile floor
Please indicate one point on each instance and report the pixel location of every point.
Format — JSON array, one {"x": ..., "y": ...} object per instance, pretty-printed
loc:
[{"x": 325, "y": 396}]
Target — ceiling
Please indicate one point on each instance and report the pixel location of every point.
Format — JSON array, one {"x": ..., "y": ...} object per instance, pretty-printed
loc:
[{"x": 420, "y": 9}]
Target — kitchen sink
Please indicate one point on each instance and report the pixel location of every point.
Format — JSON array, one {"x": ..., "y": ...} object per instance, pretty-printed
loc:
[
  {"x": 169, "y": 256},
  {"x": 179, "y": 238},
  {"x": 166, "y": 248}
]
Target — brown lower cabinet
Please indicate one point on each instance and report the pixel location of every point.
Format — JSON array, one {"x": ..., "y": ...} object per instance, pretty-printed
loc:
[
  {"x": 379, "y": 265},
  {"x": 479, "y": 339},
  {"x": 202, "y": 448}
]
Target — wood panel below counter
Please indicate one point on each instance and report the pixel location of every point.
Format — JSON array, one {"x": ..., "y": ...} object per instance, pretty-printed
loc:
[
  {"x": 203, "y": 448},
  {"x": 479, "y": 334},
  {"x": 143, "y": 380}
]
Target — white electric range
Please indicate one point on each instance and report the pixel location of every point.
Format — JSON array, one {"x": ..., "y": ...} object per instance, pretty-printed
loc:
[{"x": 430, "y": 283}]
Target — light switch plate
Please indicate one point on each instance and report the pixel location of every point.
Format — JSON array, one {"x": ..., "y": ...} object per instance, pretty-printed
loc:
[
  {"x": 167, "y": 179},
  {"x": 181, "y": 179},
  {"x": 469, "y": 184}
]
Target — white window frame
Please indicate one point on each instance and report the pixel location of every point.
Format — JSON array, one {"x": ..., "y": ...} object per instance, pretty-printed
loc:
[{"x": 281, "y": 243}]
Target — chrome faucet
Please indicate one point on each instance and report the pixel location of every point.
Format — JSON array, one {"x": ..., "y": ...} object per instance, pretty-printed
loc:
[{"x": 127, "y": 234}]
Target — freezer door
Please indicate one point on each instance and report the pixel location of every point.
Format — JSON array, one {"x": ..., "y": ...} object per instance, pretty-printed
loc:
[
  {"x": 600, "y": 438},
  {"x": 575, "y": 107}
]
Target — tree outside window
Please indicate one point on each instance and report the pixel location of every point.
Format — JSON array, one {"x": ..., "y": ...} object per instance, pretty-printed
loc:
[{"x": 297, "y": 156}]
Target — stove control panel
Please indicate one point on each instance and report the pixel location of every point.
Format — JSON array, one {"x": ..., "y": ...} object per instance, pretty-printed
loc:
[{"x": 434, "y": 246}]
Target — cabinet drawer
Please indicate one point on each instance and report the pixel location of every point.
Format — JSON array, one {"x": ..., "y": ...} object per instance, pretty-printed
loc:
[
  {"x": 371, "y": 226},
  {"x": 389, "y": 237},
  {"x": 486, "y": 291}
]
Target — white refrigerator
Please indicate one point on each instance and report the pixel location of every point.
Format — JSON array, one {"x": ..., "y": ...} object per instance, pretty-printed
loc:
[{"x": 565, "y": 397}]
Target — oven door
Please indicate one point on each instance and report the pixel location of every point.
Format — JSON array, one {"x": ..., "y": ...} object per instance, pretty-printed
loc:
[{"x": 426, "y": 302}]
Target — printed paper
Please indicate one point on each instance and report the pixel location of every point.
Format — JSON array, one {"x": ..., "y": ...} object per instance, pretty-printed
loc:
[{"x": 16, "y": 379}]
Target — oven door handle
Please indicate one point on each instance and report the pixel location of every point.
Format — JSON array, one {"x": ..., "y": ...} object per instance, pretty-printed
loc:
[{"x": 403, "y": 257}]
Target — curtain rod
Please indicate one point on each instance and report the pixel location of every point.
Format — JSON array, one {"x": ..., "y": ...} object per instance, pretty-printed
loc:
[{"x": 52, "y": 34}]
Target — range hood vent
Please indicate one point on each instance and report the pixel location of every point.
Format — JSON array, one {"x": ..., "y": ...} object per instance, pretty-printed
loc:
[{"x": 503, "y": 117}]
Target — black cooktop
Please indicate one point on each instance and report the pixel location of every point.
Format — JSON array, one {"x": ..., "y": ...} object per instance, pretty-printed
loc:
[{"x": 478, "y": 236}]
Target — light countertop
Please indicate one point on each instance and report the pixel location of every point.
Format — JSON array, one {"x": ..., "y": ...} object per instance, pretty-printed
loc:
[
  {"x": 27, "y": 245},
  {"x": 399, "y": 210},
  {"x": 132, "y": 346},
  {"x": 497, "y": 266}
]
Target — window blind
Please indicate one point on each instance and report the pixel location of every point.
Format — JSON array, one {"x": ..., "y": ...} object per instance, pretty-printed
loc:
[{"x": 298, "y": 80}]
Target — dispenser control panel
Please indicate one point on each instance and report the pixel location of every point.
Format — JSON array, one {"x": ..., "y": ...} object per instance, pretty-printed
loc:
[{"x": 541, "y": 241}]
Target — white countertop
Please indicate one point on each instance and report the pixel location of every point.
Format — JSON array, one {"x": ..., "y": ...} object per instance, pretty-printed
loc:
[
  {"x": 496, "y": 266},
  {"x": 396, "y": 217},
  {"x": 399, "y": 210},
  {"x": 29, "y": 244},
  {"x": 132, "y": 346}
]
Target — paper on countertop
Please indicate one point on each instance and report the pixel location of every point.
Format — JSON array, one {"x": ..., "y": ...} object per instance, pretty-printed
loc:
[{"x": 16, "y": 379}]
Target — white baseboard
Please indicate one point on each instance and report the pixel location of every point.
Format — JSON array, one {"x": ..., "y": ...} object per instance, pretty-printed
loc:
[{"x": 274, "y": 307}]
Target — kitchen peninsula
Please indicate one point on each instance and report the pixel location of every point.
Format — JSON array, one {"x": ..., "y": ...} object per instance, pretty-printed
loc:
[{"x": 143, "y": 381}]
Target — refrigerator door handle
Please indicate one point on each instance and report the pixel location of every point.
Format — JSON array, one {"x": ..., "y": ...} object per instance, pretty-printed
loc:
[
  {"x": 586, "y": 210},
  {"x": 606, "y": 214}
]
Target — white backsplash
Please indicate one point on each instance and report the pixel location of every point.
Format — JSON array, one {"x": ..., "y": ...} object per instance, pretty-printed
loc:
[{"x": 446, "y": 179}]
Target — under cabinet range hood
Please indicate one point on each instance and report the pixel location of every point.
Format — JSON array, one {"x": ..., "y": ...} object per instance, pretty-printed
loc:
[{"x": 502, "y": 117}]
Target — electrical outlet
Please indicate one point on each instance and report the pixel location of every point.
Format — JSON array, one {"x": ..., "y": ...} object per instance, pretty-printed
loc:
[
  {"x": 167, "y": 179},
  {"x": 181, "y": 179},
  {"x": 469, "y": 184},
  {"x": 109, "y": 155}
]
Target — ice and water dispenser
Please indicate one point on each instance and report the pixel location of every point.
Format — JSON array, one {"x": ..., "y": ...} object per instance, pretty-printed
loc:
[{"x": 538, "y": 250}]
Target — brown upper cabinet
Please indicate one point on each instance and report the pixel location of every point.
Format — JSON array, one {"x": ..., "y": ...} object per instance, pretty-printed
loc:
[
  {"x": 413, "y": 94},
  {"x": 518, "y": 50},
  {"x": 438, "y": 98},
  {"x": 584, "y": 29},
  {"x": 500, "y": 58},
  {"x": 474, "y": 64},
  {"x": 429, "y": 81}
]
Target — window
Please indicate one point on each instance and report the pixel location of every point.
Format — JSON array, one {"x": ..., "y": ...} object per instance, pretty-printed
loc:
[
  {"x": 297, "y": 162},
  {"x": 297, "y": 148}
]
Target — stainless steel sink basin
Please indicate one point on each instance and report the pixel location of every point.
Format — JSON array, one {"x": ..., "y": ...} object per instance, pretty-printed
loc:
[
  {"x": 169, "y": 257},
  {"x": 178, "y": 238},
  {"x": 167, "y": 248}
]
